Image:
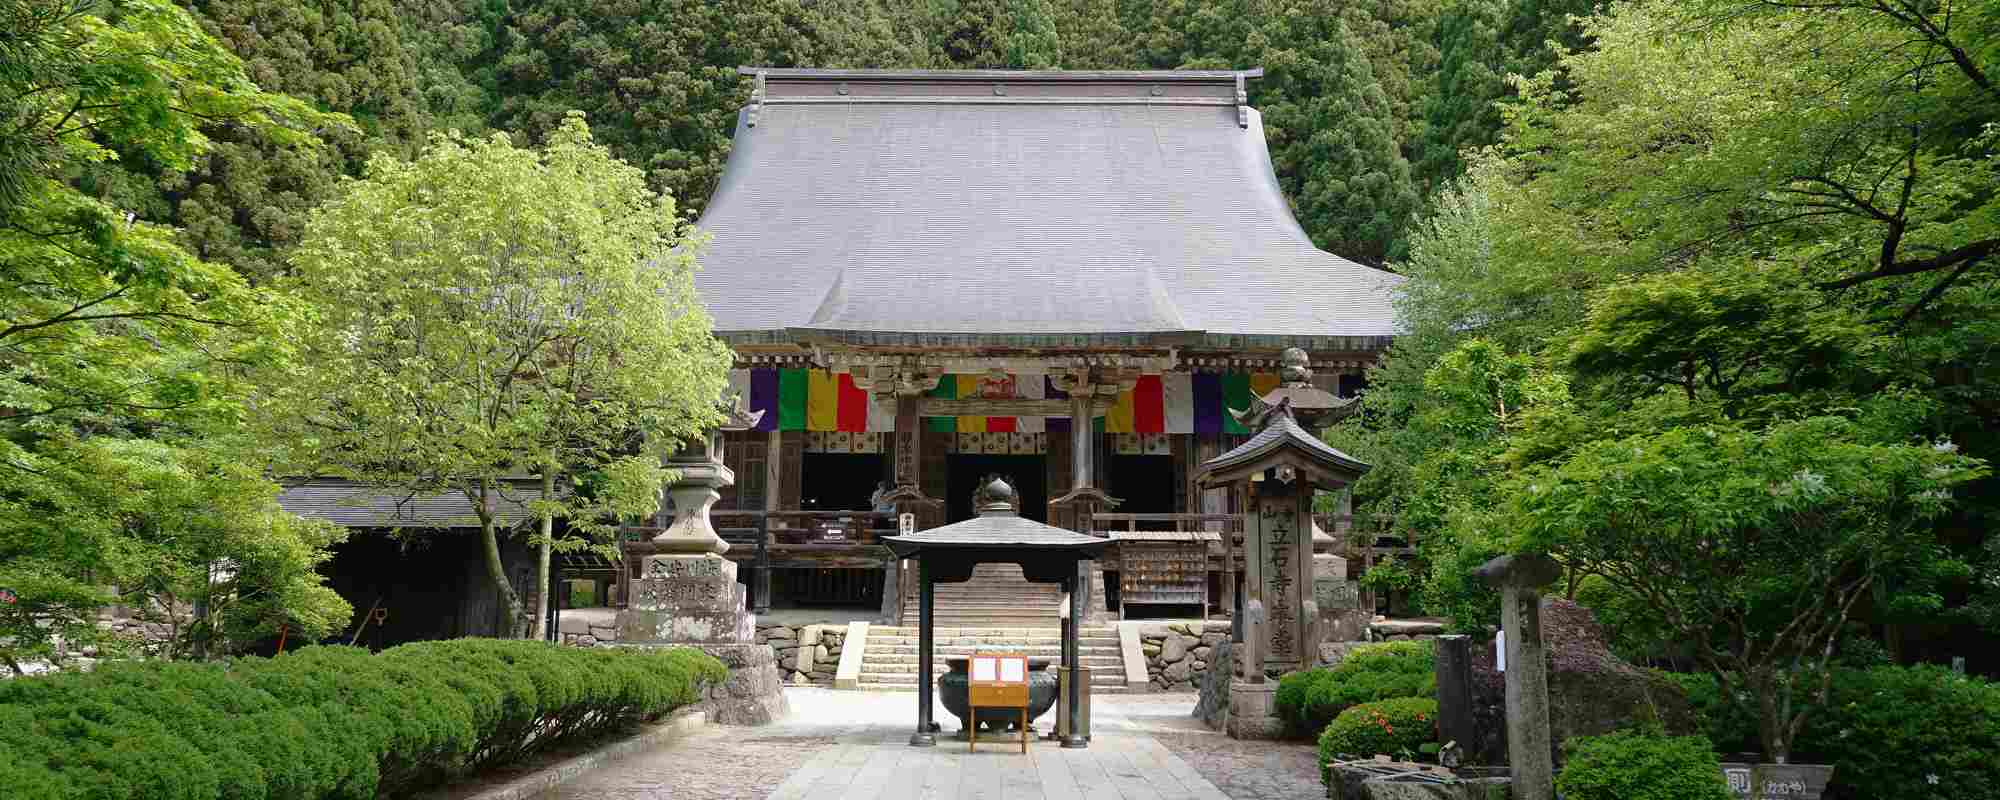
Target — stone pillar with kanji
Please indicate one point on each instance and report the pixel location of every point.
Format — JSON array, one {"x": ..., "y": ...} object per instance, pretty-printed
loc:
[{"x": 1279, "y": 469}]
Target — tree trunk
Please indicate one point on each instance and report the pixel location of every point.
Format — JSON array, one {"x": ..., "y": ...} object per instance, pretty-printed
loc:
[
  {"x": 542, "y": 549},
  {"x": 1772, "y": 725},
  {"x": 489, "y": 540}
]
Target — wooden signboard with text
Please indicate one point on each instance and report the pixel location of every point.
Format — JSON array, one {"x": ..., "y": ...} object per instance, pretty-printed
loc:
[{"x": 997, "y": 680}]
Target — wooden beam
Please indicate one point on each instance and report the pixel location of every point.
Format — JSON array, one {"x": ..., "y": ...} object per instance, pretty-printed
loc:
[
  {"x": 820, "y": 556},
  {"x": 983, "y": 407}
]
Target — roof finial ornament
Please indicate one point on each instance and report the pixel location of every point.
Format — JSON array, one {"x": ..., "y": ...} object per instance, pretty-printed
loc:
[
  {"x": 995, "y": 494},
  {"x": 756, "y": 99},
  {"x": 1295, "y": 369},
  {"x": 1242, "y": 103}
]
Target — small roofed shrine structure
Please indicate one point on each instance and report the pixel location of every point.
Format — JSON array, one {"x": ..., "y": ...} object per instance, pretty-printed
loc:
[
  {"x": 1066, "y": 277},
  {"x": 1279, "y": 625},
  {"x": 998, "y": 535}
]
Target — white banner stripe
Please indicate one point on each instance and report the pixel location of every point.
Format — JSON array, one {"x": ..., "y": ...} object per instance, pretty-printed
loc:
[{"x": 1177, "y": 394}]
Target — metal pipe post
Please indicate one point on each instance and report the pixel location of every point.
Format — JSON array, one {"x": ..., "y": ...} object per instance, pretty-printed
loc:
[{"x": 923, "y": 737}]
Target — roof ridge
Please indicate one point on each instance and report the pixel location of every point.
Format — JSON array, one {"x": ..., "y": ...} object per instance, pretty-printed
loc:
[{"x": 1146, "y": 75}]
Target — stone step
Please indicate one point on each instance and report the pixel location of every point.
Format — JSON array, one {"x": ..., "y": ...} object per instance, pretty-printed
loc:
[
  {"x": 1026, "y": 637},
  {"x": 978, "y": 630},
  {"x": 911, "y": 687},
  {"x": 872, "y": 660},
  {"x": 909, "y": 679},
  {"x": 938, "y": 663},
  {"x": 957, "y": 646}
]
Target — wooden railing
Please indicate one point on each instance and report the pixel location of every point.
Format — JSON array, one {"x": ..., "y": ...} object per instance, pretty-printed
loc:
[
  {"x": 825, "y": 538},
  {"x": 1178, "y": 523},
  {"x": 1362, "y": 547}
]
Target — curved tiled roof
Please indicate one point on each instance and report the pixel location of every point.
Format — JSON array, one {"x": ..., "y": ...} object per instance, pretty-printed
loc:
[{"x": 1032, "y": 209}]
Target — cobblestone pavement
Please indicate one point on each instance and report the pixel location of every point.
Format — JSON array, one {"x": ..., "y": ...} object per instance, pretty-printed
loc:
[
  {"x": 1250, "y": 770},
  {"x": 1242, "y": 770},
  {"x": 853, "y": 745}
]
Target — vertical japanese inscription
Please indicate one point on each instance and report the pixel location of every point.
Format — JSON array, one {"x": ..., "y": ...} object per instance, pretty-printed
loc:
[
  {"x": 906, "y": 458},
  {"x": 1279, "y": 528}
]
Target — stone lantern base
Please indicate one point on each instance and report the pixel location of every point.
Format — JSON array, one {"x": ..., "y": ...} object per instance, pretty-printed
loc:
[{"x": 687, "y": 599}]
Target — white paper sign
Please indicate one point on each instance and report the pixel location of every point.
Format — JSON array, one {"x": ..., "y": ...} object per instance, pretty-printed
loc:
[
  {"x": 984, "y": 669},
  {"x": 906, "y": 524},
  {"x": 1014, "y": 670},
  {"x": 1500, "y": 651}
]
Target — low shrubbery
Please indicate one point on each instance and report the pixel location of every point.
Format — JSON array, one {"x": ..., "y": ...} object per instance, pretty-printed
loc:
[
  {"x": 1891, "y": 730},
  {"x": 1399, "y": 727},
  {"x": 1313, "y": 698},
  {"x": 1884, "y": 730},
  {"x": 324, "y": 722},
  {"x": 1633, "y": 766}
]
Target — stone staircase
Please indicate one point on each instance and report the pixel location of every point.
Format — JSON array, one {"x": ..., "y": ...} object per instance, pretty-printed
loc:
[
  {"x": 890, "y": 661},
  {"x": 997, "y": 610},
  {"x": 998, "y": 597}
]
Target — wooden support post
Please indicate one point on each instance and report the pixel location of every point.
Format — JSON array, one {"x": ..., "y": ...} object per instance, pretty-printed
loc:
[{"x": 760, "y": 576}]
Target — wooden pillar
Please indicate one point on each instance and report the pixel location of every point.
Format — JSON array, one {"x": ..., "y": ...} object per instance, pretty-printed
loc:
[
  {"x": 774, "y": 470},
  {"x": 1083, "y": 455},
  {"x": 760, "y": 577}
]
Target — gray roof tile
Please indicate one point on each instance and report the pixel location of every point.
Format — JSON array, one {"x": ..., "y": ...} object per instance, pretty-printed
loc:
[
  {"x": 1093, "y": 219},
  {"x": 355, "y": 505}
]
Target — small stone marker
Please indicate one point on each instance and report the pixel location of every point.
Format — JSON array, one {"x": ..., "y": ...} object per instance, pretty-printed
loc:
[
  {"x": 1776, "y": 781},
  {"x": 1454, "y": 690}
]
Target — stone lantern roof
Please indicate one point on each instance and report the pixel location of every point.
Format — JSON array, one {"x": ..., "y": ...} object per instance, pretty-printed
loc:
[
  {"x": 998, "y": 527},
  {"x": 1283, "y": 444}
]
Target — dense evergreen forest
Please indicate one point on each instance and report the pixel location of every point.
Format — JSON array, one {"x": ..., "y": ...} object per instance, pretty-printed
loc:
[{"x": 1367, "y": 104}]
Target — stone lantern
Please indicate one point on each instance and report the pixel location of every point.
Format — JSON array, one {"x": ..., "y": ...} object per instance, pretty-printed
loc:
[
  {"x": 687, "y": 591},
  {"x": 1279, "y": 469}
]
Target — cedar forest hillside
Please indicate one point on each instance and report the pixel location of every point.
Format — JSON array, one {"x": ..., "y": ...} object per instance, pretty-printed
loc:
[
  {"x": 1357, "y": 127},
  {"x": 1639, "y": 239}
]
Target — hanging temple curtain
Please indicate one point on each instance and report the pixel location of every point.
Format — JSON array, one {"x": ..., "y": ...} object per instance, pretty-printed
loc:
[{"x": 801, "y": 399}]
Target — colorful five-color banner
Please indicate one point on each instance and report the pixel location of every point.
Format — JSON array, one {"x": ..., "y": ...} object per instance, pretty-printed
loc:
[{"x": 1179, "y": 402}]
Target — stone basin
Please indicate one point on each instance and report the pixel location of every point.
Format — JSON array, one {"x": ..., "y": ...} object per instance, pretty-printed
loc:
[{"x": 1041, "y": 695}]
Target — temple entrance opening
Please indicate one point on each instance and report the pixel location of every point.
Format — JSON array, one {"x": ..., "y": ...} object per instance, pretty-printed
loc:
[
  {"x": 827, "y": 588},
  {"x": 1143, "y": 485},
  {"x": 840, "y": 481},
  {"x": 1026, "y": 473}
]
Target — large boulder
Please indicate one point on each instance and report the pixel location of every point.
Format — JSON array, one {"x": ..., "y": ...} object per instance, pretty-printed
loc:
[{"x": 1591, "y": 690}]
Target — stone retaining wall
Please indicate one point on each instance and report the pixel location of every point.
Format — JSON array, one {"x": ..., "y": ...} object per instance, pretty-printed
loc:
[
  {"x": 822, "y": 654},
  {"x": 813, "y": 661},
  {"x": 1179, "y": 654}
]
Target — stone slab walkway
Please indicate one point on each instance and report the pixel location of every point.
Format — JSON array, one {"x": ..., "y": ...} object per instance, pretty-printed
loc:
[{"x": 838, "y": 745}]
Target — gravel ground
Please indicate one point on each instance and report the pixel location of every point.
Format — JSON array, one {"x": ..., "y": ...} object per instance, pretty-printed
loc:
[
  {"x": 733, "y": 762},
  {"x": 718, "y": 764}
]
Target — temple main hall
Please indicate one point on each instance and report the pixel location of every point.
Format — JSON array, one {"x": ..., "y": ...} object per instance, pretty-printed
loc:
[{"x": 1066, "y": 279}]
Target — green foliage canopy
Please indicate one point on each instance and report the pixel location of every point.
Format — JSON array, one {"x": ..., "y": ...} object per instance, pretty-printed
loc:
[
  {"x": 123, "y": 357},
  {"x": 487, "y": 310}
]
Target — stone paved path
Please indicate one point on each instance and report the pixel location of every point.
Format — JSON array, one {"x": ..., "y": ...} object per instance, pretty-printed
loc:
[{"x": 839, "y": 745}]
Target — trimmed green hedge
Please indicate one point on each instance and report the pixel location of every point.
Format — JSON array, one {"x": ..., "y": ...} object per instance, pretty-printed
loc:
[
  {"x": 1633, "y": 766},
  {"x": 1310, "y": 700},
  {"x": 1386, "y": 727},
  {"x": 324, "y": 722}
]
